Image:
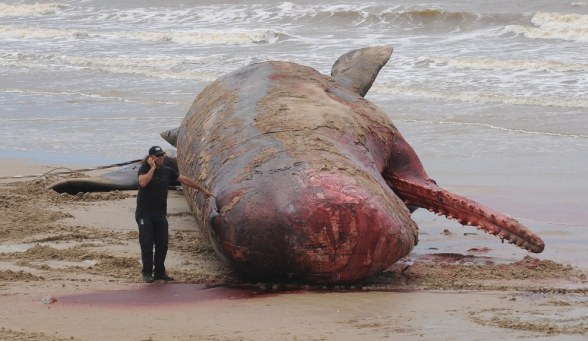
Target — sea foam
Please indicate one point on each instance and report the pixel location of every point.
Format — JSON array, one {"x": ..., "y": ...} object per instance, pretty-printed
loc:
[
  {"x": 509, "y": 64},
  {"x": 164, "y": 67},
  {"x": 200, "y": 37},
  {"x": 25, "y": 10},
  {"x": 481, "y": 96},
  {"x": 572, "y": 27}
]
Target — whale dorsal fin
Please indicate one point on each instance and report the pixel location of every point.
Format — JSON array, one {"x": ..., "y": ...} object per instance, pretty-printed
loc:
[
  {"x": 171, "y": 136},
  {"x": 358, "y": 69}
]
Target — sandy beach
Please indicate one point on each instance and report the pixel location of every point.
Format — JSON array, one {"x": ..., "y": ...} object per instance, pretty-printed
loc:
[{"x": 69, "y": 270}]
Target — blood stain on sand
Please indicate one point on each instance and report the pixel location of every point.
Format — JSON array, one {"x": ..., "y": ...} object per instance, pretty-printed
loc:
[{"x": 159, "y": 294}]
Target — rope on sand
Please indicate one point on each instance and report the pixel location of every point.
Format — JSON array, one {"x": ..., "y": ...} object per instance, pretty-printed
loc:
[{"x": 69, "y": 171}]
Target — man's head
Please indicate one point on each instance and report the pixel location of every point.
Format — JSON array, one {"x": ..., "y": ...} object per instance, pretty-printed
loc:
[
  {"x": 156, "y": 151},
  {"x": 157, "y": 154}
]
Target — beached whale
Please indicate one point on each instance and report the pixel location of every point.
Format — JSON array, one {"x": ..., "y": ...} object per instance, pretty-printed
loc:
[{"x": 310, "y": 180}]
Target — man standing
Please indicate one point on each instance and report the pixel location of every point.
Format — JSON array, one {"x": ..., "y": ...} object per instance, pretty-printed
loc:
[{"x": 151, "y": 212}]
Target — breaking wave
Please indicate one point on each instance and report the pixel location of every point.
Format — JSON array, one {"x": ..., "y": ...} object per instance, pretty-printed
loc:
[
  {"x": 409, "y": 16},
  {"x": 25, "y": 10},
  {"x": 225, "y": 37},
  {"x": 572, "y": 27}
]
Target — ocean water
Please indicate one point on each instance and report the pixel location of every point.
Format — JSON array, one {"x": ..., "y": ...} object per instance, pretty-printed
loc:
[{"x": 492, "y": 95}]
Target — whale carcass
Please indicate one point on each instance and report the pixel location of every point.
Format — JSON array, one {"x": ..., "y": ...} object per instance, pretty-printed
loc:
[{"x": 311, "y": 181}]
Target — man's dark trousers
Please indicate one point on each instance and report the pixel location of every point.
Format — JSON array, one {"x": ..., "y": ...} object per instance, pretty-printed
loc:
[{"x": 153, "y": 231}]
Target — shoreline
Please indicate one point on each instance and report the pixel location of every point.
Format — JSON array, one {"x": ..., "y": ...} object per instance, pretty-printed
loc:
[
  {"x": 56, "y": 158},
  {"x": 83, "y": 251}
]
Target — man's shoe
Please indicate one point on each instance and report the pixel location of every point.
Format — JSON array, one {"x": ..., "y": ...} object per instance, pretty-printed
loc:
[
  {"x": 147, "y": 278},
  {"x": 164, "y": 277}
]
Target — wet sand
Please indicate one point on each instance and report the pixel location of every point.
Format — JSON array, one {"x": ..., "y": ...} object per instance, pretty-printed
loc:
[{"x": 81, "y": 254}]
